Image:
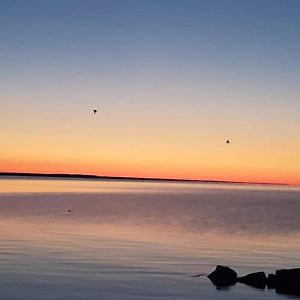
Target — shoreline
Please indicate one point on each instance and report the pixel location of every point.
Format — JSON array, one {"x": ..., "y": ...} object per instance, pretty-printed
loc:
[{"x": 129, "y": 178}]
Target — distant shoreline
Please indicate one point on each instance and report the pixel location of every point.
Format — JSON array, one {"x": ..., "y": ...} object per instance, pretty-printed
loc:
[{"x": 151, "y": 179}]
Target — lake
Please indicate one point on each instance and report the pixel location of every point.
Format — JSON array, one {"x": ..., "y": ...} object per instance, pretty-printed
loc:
[{"x": 97, "y": 239}]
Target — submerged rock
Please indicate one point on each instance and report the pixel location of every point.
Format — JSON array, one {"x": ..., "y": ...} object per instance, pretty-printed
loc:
[
  {"x": 223, "y": 276},
  {"x": 258, "y": 279}
]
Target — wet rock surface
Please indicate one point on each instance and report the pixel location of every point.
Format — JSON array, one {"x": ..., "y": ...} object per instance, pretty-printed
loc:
[
  {"x": 223, "y": 276},
  {"x": 271, "y": 281},
  {"x": 258, "y": 279},
  {"x": 287, "y": 281}
]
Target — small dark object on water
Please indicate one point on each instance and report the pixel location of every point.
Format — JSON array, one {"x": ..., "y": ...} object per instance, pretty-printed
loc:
[
  {"x": 198, "y": 275},
  {"x": 69, "y": 210}
]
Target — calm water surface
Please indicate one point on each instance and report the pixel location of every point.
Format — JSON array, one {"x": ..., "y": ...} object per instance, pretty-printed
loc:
[{"x": 141, "y": 240}]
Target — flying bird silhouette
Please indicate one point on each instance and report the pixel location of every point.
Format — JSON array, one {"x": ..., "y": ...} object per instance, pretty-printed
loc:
[
  {"x": 95, "y": 111},
  {"x": 227, "y": 142}
]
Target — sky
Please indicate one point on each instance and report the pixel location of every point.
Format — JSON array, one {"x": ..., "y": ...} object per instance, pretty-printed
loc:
[{"x": 172, "y": 79}]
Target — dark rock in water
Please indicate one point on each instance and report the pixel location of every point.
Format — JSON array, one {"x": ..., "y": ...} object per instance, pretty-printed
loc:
[
  {"x": 287, "y": 281},
  {"x": 223, "y": 276},
  {"x": 258, "y": 280},
  {"x": 288, "y": 275},
  {"x": 288, "y": 289},
  {"x": 271, "y": 281}
]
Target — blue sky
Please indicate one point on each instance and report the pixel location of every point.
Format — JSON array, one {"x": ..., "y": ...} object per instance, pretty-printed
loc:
[{"x": 231, "y": 66}]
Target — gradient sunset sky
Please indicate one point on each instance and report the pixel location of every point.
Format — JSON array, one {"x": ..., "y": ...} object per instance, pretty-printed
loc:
[{"x": 173, "y": 80}]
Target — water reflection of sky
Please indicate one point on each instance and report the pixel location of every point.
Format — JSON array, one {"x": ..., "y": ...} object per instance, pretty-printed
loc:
[
  {"x": 36, "y": 185},
  {"x": 119, "y": 235}
]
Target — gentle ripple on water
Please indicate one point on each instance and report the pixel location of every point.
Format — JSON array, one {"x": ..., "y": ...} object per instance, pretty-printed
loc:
[{"x": 139, "y": 240}]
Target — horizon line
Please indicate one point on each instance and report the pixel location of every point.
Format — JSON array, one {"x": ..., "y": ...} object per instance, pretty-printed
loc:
[{"x": 132, "y": 178}]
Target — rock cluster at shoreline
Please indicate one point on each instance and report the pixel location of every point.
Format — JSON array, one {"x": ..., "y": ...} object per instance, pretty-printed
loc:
[{"x": 285, "y": 281}]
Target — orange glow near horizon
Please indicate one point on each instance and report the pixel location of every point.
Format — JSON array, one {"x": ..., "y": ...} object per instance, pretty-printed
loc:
[
  {"x": 164, "y": 139},
  {"x": 171, "y": 82},
  {"x": 154, "y": 171},
  {"x": 161, "y": 139}
]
